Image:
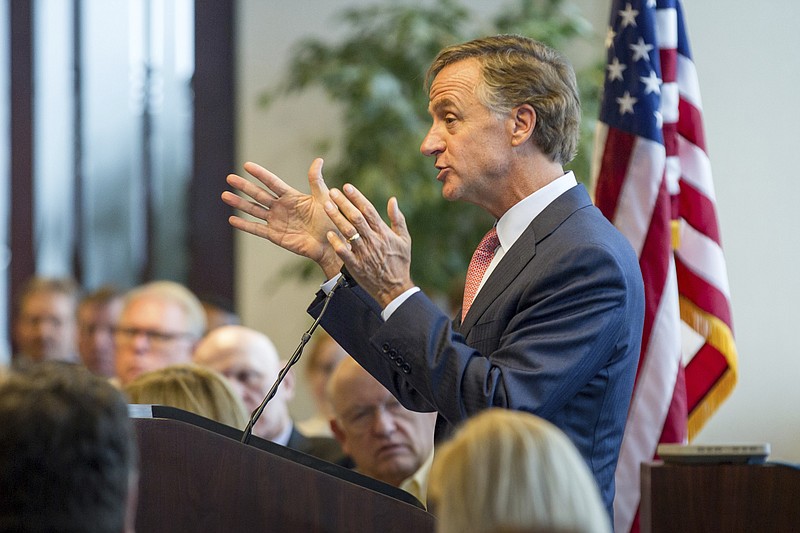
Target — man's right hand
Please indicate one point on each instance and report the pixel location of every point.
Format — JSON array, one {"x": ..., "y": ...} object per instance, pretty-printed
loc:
[{"x": 294, "y": 221}]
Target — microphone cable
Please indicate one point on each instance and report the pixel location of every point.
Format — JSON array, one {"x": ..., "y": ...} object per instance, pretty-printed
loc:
[{"x": 343, "y": 281}]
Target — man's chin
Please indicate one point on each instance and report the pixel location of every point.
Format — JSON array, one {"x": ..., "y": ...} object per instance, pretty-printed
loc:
[
  {"x": 450, "y": 193},
  {"x": 399, "y": 468}
]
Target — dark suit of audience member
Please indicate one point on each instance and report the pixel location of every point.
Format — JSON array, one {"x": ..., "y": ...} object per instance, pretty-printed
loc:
[{"x": 322, "y": 447}]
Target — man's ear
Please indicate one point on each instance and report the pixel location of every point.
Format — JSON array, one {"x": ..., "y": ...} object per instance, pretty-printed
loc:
[
  {"x": 339, "y": 435},
  {"x": 523, "y": 122}
]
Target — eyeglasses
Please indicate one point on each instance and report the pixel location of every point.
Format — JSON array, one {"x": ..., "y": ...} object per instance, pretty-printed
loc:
[
  {"x": 362, "y": 417},
  {"x": 155, "y": 338},
  {"x": 90, "y": 329}
]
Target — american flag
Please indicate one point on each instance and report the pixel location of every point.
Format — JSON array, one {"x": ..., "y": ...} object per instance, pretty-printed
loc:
[{"x": 653, "y": 181}]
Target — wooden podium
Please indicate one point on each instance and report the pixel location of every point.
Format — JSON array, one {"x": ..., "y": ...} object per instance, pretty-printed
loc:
[
  {"x": 719, "y": 497},
  {"x": 195, "y": 475}
]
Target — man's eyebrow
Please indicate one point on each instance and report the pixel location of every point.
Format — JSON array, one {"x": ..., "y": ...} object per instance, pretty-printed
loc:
[{"x": 438, "y": 105}]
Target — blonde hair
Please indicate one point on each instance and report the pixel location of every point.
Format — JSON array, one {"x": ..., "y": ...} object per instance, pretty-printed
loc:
[
  {"x": 513, "y": 470},
  {"x": 192, "y": 388}
]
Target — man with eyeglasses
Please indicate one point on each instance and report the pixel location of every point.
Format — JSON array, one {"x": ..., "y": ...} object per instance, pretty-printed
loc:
[
  {"x": 160, "y": 324},
  {"x": 385, "y": 440},
  {"x": 250, "y": 361}
]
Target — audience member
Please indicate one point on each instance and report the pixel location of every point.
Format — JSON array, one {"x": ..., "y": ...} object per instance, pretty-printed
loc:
[
  {"x": 193, "y": 388},
  {"x": 67, "y": 452},
  {"x": 160, "y": 324},
  {"x": 385, "y": 440},
  {"x": 511, "y": 470},
  {"x": 45, "y": 326},
  {"x": 219, "y": 312},
  {"x": 250, "y": 361},
  {"x": 323, "y": 357},
  {"x": 98, "y": 314}
]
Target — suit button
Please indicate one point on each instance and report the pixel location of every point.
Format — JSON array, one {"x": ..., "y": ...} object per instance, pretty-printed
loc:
[
  {"x": 392, "y": 354},
  {"x": 385, "y": 347},
  {"x": 407, "y": 368},
  {"x": 399, "y": 361}
]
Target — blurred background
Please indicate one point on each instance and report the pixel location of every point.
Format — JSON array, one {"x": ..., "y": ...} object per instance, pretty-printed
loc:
[{"x": 125, "y": 116}]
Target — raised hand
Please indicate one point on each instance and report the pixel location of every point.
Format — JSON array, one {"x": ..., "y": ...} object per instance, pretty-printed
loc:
[
  {"x": 294, "y": 221},
  {"x": 376, "y": 255}
]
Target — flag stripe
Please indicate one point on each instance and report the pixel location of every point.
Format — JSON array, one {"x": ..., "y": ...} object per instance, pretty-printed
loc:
[
  {"x": 669, "y": 65},
  {"x": 690, "y": 126},
  {"x": 695, "y": 169},
  {"x": 613, "y": 169},
  {"x": 674, "y": 423},
  {"x": 690, "y": 87},
  {"x": 639, "y": 188},
  {"x": 655, "y": 265},
  {"x": 698, "y": 212},
  {"x": 706, "y": 367},
  {"x": 671, "y": 145},
  {"x": 703, "y": 294}
]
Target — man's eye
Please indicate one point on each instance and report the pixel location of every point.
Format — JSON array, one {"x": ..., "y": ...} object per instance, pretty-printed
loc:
[
  {"x": 356, "y": 416},
  {"x": 244, "y": 377},
  {"x": 395, "y": 407}
]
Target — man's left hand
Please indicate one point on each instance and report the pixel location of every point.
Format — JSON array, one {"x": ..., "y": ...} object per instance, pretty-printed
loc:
[{"x": 376, "y": 255}]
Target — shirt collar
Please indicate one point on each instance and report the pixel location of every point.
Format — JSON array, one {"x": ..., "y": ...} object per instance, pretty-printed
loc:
[
  {"x": 283, "y": 437},
  {"x": 417, "y": 484},
  {"x": 518, "y": 218}
]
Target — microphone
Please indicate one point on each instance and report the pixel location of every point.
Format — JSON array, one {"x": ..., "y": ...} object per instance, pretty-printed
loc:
[{"x": 345, "y": 280}]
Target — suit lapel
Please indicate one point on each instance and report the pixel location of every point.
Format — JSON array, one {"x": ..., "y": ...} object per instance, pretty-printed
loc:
[{"x": 524, "y": 250}]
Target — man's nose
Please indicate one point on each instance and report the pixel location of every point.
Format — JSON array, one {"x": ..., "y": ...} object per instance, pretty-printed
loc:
[
  {"x": 102, "y": 334},
  {"x": 140, "y": 341},
  {"x": 384, "y": 422},
  {"x": 431, "y": 144}
]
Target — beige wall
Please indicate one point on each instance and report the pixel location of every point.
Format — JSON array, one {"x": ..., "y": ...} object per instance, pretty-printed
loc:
[{"x": 749, "y": 71}]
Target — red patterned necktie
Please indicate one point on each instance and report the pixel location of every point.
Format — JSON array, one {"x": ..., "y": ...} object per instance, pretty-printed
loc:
[{"x": 477, "y": 268}]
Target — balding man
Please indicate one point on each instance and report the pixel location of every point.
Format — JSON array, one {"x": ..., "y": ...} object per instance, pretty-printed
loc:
[
  {"x": 385, "y": 440},
  {"x": 160, "y": 324},
  {"x": 250, "y": 361}
]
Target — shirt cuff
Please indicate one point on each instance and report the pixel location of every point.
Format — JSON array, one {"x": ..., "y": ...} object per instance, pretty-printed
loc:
[
  {"x": 327, "y": 287},
  {"x": 397, "y": 302}
]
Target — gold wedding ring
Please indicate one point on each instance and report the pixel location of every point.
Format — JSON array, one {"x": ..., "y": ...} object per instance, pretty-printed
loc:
[{"x": 355, "y": 237}]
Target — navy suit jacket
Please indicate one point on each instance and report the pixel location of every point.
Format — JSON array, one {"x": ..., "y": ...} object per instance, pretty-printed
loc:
[{"x": 555, "y": 331}]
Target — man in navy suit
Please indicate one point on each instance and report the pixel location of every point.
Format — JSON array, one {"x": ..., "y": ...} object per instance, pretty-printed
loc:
[{"x": 555, "y": 328}]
